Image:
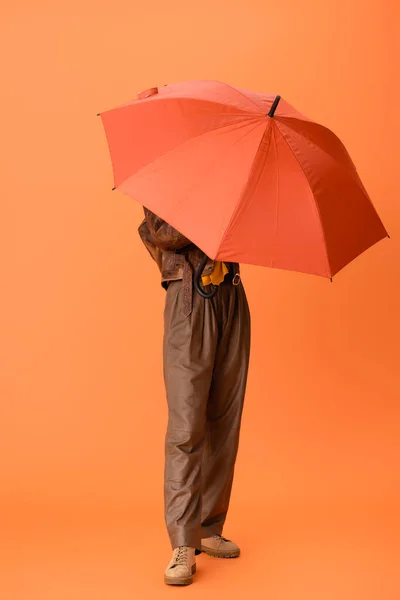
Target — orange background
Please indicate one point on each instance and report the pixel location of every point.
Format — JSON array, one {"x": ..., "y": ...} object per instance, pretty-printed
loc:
[{"x": 316, "y": 495}]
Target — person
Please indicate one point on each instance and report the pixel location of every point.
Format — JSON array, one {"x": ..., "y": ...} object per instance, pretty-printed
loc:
[{"x": 206, "y": 356}]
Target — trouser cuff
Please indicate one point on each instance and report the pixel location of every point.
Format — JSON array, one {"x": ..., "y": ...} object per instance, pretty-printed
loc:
[
  {"x": 182, "y": 536},
  {"x": 210, "y": 530}
]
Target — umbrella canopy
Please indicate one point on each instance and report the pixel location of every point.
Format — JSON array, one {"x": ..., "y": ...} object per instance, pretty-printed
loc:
[{"x": 243, "y": 175}]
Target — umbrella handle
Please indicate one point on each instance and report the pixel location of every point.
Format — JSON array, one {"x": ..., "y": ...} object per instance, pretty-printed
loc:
[{"x": 197, "y": 281}]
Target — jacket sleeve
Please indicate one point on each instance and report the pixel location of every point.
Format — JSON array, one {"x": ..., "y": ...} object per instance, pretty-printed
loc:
[
  {"x": 147, "y": 239},
  {"x": 163, "y": 234}
]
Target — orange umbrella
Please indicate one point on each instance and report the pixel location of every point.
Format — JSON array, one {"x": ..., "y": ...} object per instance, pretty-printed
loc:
[{"x": 243, "y": 175}]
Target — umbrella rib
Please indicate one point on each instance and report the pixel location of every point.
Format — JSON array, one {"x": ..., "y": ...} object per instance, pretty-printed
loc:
[
  {"x": 286, "y": 120},
  {"x": 130, "y": 103},
  {"x": 314, "y": 202},
  {"x": 215, "y": 163},
  {"x": 351, "y": 172},
  {"x": 241, "y": 94},
  {"x": 238, "y": 208},
  {"x": 244, "y": 116},
  {"x": 277, "y": 188}
]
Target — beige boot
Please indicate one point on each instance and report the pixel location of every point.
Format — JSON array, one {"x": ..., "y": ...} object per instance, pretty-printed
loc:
[
  {"x": 220, "y": 547},
  {"x": 181, "y": 567}
]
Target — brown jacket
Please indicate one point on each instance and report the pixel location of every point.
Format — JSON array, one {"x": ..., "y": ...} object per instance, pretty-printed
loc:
[
  {"x": 169, "y": 248},
  {"x": 176, "y": 256}
]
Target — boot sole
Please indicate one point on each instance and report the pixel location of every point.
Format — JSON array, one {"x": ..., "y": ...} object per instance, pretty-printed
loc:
[
  {"x": 216, "y": 554},
  {"x": 180, "y": 580}
]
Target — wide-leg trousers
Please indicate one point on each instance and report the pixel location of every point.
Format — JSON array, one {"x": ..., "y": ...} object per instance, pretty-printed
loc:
[{"x": 206, "y": 358}]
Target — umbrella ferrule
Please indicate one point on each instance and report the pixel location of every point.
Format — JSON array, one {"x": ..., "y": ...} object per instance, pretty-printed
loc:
[{"x": 274, "y": 107}]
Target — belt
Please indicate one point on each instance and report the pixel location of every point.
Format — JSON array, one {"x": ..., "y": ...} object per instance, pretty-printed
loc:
[{"x": 187, "y": 280}]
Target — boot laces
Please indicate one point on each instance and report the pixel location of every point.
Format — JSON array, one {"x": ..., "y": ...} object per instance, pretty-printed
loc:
[
  {"x": 220, "y": 537},
  {"x": 180, "y": 557}
]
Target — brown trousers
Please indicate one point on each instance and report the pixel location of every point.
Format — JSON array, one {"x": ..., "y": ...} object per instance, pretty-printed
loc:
[{"x": 206, "y": 357}]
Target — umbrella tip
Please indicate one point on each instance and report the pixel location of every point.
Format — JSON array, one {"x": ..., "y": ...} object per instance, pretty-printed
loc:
[
  {"x": 98, "y": 114},
  {"x": 114, "y": 188},
  {"x": 274, "y": 107},
  {"x": 331, "y": 279},
  {"x": 388, "y": 236}
]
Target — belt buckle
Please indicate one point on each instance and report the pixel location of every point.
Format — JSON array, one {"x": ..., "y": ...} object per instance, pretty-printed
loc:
[{"x": 236, "y": 280}]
